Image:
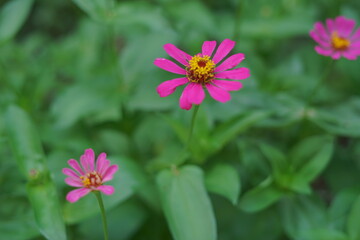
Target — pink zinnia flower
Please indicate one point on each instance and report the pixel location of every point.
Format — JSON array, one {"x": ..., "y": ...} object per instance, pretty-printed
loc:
[
  {"x": 202, "y": 71},
  {"x": 89, "y": 177},
  {"x": 338, "y": 38}
]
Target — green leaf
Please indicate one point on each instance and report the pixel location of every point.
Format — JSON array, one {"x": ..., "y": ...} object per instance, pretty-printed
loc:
[
  {"x": 231, "y": 128},
  {"x": 125, "y": 181},
  {"x": 311, "y": 156},
  {"x": 353, "y": 221},
  {"x": 186, "y": 204},
  {"x": 12, "y": 16},
  {"x": 277, "y": 160},
  {"x": 44, "y": 200},
  {"x": 25, "y": 143},
  {"x": 224, "y": 180},
  {"x": 260, "y": 197}
]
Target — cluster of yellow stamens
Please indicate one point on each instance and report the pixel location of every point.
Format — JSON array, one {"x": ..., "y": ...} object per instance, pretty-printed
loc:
[
  {"x": 339, "y": 43},
  {"x": 92, "y": 179},
  {"x": 200, "y": 69}
]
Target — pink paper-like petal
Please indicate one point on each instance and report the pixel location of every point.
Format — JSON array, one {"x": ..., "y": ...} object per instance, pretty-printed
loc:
[
  {"x": 321, "y": 31},
  {"x": 356, "y": 35},
  {"x": 196, "y": 93},
  {"x": 350, "y": 56},
  {"x": 168, "y": 87},
  {"x": 108, "y": 190},
  {"x": 184, "y": 102},
  {"x": 76, "y": 194},
  {"x": 70, "y": 173},
  {"x": 224, "y": 48},
  {"x": 86, "y": 161},
  {"x": 109, "y": 174},
  {"x": 90, "y": 155},
  {"x": 177, "y": 54},
  {"x": 217, "y": 93},
  {"x": 100, "y": 161},
  {"x": 336, "y": 55},
  {"x": 75, "y": 165},
  {"x": 323, "y": 51},
  {"x": 355, "y": 44},
  {"x": 344, "y": 26},
  {"x": 208, "y": 48},
  {"x": 330, "y": 24},
  {"x": 235, "y": 74},
  {"x": 228, "y": 85},
  {"x": 318, "y": 39},
  {"x": 230, "y": 62},
  {"x": 74, "y": 182},
  {"x": 105, "y": 166},
  {"x": 169, "y": 66}
]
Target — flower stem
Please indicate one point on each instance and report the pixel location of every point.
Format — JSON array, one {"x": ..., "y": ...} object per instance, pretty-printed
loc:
[
  {"x": 103, "y": 215},
  {"x": 196, "y": 109}
]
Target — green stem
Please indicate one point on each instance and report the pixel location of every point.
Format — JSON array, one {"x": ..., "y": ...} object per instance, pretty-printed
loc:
[
  {"x": 103, "y": 215},
  {"x": 196, "y": 109}
]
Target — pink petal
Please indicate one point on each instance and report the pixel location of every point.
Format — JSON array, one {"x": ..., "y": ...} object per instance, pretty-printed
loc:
[
  {"x": 228, "y": 85},
  {"x": 177, "y": 54},
  {"x": 87, "y": 160},
  {"x": 70, "y": 173},
  {"x": 168, "y": 87},
  {"x": 356, "y": 35},
  {"x": 336, "y": 55},
  {"x": 323, "y": 51},
  {"x": 74, "y": 182},
  {"x": 109, "y": 173},
  {"x": 184, "y": 102},
  {"x": 230, "y": 62},
  {"x": 224, "y": 48},
  {"x": 100, "y": 161},
  {"x": 217, "y": 93},
  {"x": 195, "y": 93},
  {"x": 169, "y": 66},
  {"x": 76, "y": 194},
  {"x": 330, "y": 25},
  {"x": 208, "y": 48},
  {"x": 321, "y": 32},
  {"x": 235, "y": 74},
  {"x": 108, "y": 190},
  {"x": 319, "y": 40},
  {"x": 344, "y": 26},
  {"x": 75, "y": 165},
  {"x": 355, "y": 44},
  {"x": 350, "y": 56},
  {"x": 104, "y": 167}
]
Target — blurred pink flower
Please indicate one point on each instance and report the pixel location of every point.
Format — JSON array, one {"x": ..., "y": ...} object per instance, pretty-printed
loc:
[
  {"x": 89, "y": 177},
  {"x": 202, "y": 70},
  {"x": 338, "y": 38}
]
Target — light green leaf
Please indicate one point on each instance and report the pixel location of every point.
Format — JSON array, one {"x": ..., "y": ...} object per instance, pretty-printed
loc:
[
  {"x": 125, "y": 181},
  {"x": 311, "y": 156},
  {"x": 44, "y": 200},
  {"x": 12, "y": 16},
  {"x": 277, "y": 160},
  {"x": 186, "y": 204},
  {"x": 353, "y": 221},
  {"x": 100, "y": 10},
  {"x": 260, "y": 197},
  {"x": 25, "y": 143},
  {"x": 223, "y": 179}
]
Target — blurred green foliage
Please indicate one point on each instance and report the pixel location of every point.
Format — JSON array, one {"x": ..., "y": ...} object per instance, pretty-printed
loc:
[{"x": 268, "y": 165}]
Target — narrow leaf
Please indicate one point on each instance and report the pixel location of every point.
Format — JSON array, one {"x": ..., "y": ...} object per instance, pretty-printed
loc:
[{"x": 354, "y": 220}]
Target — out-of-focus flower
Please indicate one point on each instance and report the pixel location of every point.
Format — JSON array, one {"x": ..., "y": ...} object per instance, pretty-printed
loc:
[
  {"x": 203, "y": 71},
  {"x": 88, "y": 176},
  {"x": 337, "y": 38}
]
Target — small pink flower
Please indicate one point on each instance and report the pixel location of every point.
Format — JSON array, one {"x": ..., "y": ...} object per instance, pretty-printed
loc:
[
  {"x": 202, "y": 71},
  {"x": 338, "y": 38},
  {"x": 89, "y": 177}
]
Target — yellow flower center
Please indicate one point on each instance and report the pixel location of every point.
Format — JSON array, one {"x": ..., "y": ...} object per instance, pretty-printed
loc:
[
  {"x": 200, "y": 69},
  {"x": 92, "y": 179},
  {"x": 338, "y": 42}
]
